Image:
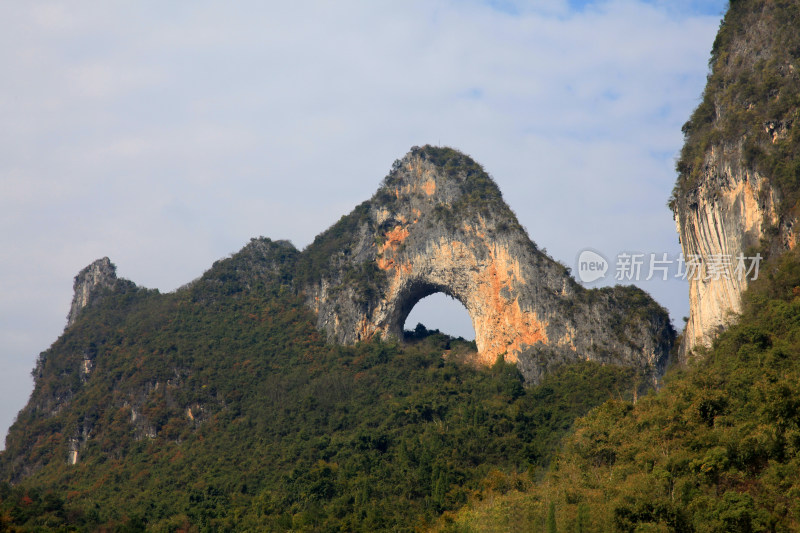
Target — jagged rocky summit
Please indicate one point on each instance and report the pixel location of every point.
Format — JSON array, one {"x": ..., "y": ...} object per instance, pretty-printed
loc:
[
  {"x": 91, "y": 284},
  {"x": 438, "y": 223},
  {"x": 736, "y": 194}
]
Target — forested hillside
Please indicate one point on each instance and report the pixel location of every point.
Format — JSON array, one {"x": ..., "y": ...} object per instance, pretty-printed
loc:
[
  {"x": 260, "y": 397},
  {"x": 718, "y": 449},
  {"x": 219, "y": 407}
]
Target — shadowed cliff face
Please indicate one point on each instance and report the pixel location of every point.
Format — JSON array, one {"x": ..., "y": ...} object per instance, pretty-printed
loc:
[
  {"x": 439, "y": 224},
  {"x": 738, "y": 188}
]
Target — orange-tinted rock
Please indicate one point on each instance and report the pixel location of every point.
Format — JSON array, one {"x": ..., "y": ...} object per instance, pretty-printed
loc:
[{"x": 441, "y": 225}]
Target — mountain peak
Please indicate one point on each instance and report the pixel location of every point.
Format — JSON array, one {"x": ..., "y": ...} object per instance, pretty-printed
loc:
[
  {"x": 438, "y": 223},
  {"x": 91, "y": 283},
  {"x": 442, "y": 174}
]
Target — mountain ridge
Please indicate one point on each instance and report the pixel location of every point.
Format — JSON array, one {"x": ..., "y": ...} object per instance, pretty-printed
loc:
[
  {"x": 145, "y": 390},
  {"x": 438, "y": 223}
]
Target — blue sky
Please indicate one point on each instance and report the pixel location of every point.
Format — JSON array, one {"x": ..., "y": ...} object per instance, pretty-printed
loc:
[{"x": 166, "y": 135}]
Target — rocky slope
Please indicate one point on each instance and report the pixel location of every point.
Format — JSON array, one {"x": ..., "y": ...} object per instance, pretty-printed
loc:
[
  {"x": 736, "y": 194},
  {"x": 438, "y": 223}
]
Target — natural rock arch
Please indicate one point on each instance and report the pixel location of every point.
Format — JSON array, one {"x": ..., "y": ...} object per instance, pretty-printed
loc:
[
  {"x": 438, "y": 223},
  {"x": 428, "y": 305},
  {"x": 484, "y": 281}
]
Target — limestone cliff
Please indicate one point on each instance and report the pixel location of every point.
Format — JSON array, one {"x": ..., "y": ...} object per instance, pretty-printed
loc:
[
  {"x": 738, "y": 170},
  {"x": 438, "y": 223},
  {"x": 90, "y": 284}
]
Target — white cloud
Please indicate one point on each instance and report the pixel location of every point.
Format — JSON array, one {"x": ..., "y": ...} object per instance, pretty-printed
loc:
[{"x": 165, "y": 135}]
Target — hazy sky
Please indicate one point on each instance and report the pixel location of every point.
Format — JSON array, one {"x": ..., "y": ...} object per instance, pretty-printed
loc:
[{"x": 166, "y": 134}]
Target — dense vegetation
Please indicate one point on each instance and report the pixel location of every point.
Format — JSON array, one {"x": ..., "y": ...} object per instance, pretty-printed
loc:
[
  {"x": 718, "y": 449},
  {"x": 220, "y": 407},
  {"x": 752, "y": 95},
  {"x": 320, "y": 257}
]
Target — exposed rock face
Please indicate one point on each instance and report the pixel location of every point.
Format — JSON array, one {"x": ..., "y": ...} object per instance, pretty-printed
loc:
[
  {"x": 725, "y": 216},
  {"x": 737, "y": 189},
  {"x": 91, "y": 283},
  {"x": 439, "y": 224}
]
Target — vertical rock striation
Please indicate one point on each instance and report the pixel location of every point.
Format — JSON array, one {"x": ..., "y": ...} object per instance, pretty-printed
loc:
[
  {"x": 738, "y": 170},
  {"x": 725, "y": 216}
]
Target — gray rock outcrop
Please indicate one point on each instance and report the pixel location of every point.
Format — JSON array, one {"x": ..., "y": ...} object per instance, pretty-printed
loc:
[
  {"x": 89, "y": 285},
  {"x": 438, "y": 223}
]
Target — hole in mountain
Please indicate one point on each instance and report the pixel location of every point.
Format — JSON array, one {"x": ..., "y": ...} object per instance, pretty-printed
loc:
[{"x": 440, "y": 312}]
